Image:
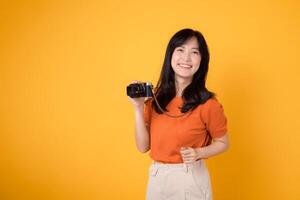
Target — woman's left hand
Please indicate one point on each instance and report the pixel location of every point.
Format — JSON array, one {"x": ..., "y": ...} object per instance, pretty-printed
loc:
[{"x": 188, "y": 154}]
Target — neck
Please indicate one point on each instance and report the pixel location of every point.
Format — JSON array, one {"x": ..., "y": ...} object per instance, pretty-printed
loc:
[{"x": 180, "y": 84}]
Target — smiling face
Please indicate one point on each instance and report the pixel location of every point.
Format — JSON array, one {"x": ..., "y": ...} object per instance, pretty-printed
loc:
[{"x": 186, "y": 59}]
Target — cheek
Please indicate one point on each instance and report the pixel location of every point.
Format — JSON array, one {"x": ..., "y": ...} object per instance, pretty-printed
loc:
[
  {"x": 197, "y": 61},
  {"x": 174, "y": 60},
  {"x": 197, "y": 65}
]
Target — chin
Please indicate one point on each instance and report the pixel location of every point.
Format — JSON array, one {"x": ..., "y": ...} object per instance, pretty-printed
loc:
[{"x": 187, "y": 76}]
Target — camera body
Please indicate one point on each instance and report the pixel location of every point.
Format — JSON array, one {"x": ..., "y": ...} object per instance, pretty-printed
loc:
[{"x": 136, "y": 90}]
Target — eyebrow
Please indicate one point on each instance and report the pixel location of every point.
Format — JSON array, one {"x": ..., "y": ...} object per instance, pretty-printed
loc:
[{"x": 192, "y": 47}]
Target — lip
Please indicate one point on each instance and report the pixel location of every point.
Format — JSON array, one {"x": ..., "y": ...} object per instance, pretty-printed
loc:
[{"x": 186, "y": 66}]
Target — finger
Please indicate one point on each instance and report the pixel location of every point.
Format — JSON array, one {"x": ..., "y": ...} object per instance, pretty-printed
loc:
[
  {"x": 188, "y": 161},
  {"x": 191, "y": 161},
  {"x": 186, "y": 152},
  {"x": 192, "y": 153},
  {"x": 186, "y": 149},
  {"x": 189, "y": 156}
]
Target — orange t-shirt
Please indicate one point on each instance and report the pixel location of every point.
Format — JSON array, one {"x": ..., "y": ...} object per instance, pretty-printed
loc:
[{"x": 195, "y": 129}]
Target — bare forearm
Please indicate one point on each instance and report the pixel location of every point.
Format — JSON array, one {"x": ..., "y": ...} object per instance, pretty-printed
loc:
[
  {"x": 213, "y": 149},
  {"x": 141, "y": 133}
]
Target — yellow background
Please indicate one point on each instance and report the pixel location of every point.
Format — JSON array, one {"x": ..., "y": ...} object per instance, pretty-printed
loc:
[{"x": 67, "y": 127}]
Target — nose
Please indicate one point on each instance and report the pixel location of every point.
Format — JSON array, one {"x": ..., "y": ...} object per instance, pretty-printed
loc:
[{"x": 186, "y": 56}]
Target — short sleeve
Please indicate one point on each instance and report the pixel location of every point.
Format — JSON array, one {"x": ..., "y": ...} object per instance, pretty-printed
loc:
[
  {"x": 215, "y": 119},
  {"x": 148, "y": 112}
]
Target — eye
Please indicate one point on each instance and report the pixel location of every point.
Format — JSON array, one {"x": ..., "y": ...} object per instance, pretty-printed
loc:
[
  {"x": 179, "y": 49},
  {"x": 196, "y": 52}
]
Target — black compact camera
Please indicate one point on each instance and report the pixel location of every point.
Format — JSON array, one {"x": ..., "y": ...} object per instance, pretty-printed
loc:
[{"x": 135, "y": 90}]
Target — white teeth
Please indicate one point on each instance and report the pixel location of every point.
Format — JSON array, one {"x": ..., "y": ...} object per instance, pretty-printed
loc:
[{"x": 185, "y": 66}]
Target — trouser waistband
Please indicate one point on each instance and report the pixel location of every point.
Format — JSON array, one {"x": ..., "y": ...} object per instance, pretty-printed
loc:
[{"x": 169, "y": 166}]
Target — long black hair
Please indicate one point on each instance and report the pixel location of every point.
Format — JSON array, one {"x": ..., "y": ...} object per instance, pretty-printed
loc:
[{"x": 195, "y": 93}]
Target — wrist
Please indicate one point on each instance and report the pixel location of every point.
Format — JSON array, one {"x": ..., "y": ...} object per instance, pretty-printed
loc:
[
  {"x": 199, "y": 152},
  {"x": 139, "y": 108}
]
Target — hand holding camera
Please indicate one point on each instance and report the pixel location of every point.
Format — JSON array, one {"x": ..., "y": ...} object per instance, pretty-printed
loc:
[{"x": 138, "y": 91}]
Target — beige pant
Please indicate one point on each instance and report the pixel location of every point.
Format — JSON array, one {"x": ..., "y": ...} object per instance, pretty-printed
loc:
[{"x": 179, "y": 182}]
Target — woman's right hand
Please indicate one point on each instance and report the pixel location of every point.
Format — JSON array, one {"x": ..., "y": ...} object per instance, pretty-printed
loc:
[{"x": 137, "y": 102}]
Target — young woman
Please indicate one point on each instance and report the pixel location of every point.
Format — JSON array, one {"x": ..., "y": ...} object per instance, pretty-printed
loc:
[{"x": 189, "y": 127}]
